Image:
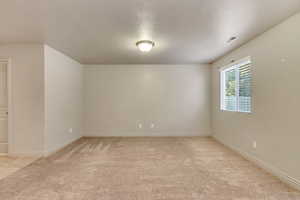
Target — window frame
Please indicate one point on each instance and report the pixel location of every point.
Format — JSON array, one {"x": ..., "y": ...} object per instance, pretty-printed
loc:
[{"x": 223, "y": 70}]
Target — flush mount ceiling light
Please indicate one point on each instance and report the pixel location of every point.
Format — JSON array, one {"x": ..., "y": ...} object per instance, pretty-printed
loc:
[
  {"x": 231, "y": 39},
  {"x": 145, "y": 45}
]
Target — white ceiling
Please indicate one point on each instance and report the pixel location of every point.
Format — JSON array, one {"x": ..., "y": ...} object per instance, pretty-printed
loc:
[{"x": 105, "y": 31}]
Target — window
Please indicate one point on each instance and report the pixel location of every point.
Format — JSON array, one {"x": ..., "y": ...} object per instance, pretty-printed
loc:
[{"x": 236, "y": 86}]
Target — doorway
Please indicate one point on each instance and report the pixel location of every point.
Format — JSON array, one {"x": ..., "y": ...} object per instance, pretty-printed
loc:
[{"x": 3, "y": 107}]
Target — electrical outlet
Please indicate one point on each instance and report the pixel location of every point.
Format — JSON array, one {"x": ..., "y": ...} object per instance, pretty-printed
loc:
[
  {"x": 254, "y": 145},
  {"x": 70, "y": 130},
  {"x": 152, "y": 125},
  {"x": 140, "y": 125}
]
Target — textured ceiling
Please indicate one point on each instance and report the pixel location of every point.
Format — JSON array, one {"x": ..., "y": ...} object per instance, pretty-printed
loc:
[{"x": 105, "y": 31}]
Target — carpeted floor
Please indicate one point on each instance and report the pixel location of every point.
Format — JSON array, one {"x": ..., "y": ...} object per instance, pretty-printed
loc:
[
  {"x": 144, "y": 169},
  {"x": 9, "y": 165}
]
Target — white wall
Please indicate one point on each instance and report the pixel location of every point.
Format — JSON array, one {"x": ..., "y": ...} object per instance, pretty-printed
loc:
[
  {"x": 27, "y": 97},
  {"x": 176, "y": 98},
  {"x": 63, "y": 89},
  {"x": 274, "y": 123}
]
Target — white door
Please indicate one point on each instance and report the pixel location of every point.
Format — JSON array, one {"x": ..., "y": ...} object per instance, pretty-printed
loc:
[{"x": 3, "y": 108}]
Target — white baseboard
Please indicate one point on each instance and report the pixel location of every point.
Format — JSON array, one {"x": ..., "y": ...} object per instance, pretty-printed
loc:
[
  {"x": 146, "y": 134},
  {"x": 284, "y": 177},
  {"x": 50, "y": 152}
]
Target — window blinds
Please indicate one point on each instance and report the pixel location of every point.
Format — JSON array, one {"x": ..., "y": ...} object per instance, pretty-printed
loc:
[
  {"x": 236, "y": 87},
  {"x": 244, "y": 98}
]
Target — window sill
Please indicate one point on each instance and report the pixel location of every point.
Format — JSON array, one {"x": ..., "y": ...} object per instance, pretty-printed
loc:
[{"x": 231, "y": 111}]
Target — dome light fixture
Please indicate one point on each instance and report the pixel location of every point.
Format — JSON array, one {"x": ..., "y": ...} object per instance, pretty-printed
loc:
[
  {"x": 232, "y": 39},
  {"x": 145, "y": 45}
]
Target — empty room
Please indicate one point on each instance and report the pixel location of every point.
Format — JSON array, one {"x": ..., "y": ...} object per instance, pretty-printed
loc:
[{"x": 150, "y": 100}]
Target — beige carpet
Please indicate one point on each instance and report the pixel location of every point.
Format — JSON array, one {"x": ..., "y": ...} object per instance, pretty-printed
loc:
[
  {"x": 144, "y": 169},
  {"x": 9, "y": 165}
]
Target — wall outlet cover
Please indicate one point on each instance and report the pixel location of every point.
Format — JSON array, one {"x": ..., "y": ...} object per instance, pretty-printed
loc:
[
  {"x": 254, "y": 145},
  {"x": 140, "y": 125}
]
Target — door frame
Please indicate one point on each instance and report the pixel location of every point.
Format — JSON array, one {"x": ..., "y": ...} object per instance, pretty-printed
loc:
[{"x": 10, "y": 104}]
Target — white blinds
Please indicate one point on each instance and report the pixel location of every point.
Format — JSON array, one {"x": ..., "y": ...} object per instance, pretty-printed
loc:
[
  {"x": 244, "y": 98},
  {"x": 236, "y": 87}
]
